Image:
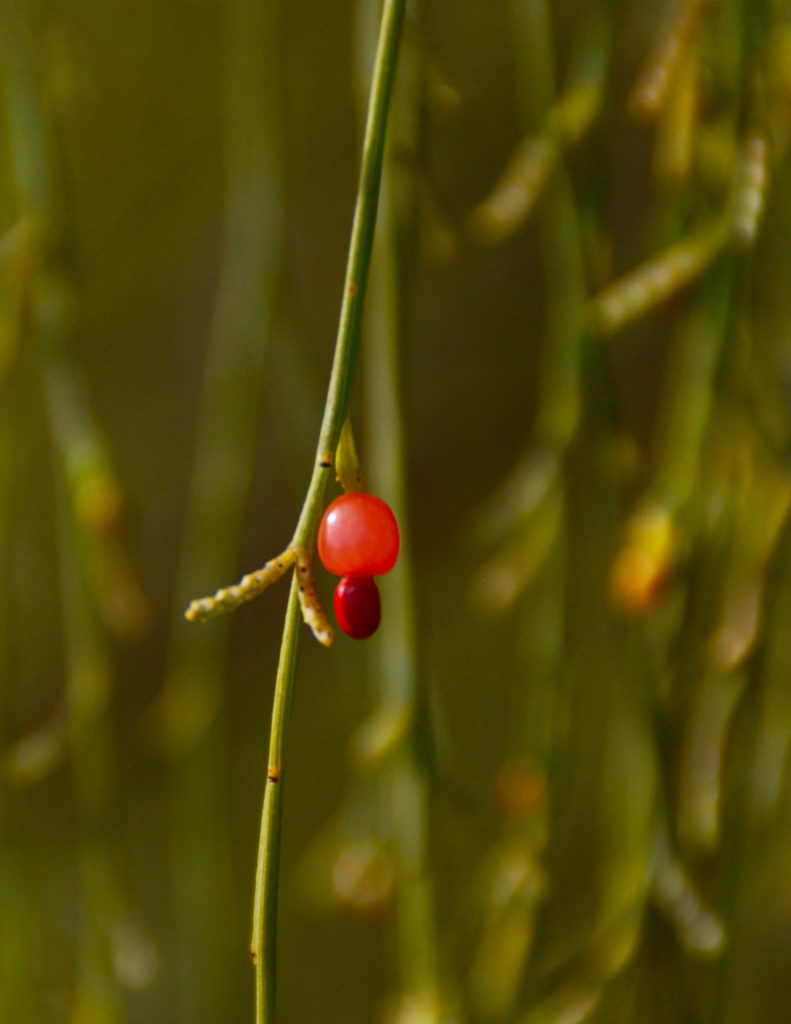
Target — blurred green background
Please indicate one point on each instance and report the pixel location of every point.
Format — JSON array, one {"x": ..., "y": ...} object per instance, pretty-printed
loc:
[{"x": 555, "y": 786}]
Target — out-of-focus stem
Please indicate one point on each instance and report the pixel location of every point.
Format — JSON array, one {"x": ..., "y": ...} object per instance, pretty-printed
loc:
[
  {"x": 88, "y": 688},
  {"x": 88, "y": 502},
  {"x": 187, "y": 718},
  {"x": 689, "y": 391},
  {"x": 395, "y": 668}
]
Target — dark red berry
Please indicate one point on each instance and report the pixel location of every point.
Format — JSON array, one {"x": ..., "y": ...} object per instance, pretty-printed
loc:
[{"x": 357, "y": 606}]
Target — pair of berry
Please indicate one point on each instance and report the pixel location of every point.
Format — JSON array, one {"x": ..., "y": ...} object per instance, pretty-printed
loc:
[{"x": 358, "y": 539}]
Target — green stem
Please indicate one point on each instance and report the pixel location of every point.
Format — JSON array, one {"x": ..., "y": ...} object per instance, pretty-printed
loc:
[
  {"x": 188, "y": 713},
  {"x": 360, "y": 246},
  {"x": 263, "y": 946},
  {"x": 396, "y": 672},
  {"x": 264, "y": 938},
  {"x": 346, "y": 345}
]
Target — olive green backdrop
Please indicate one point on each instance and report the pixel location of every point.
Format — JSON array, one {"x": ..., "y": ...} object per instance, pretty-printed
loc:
[{"x": 591, "y": 820}]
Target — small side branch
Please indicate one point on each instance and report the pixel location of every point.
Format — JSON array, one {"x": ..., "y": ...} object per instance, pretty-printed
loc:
[{"x": 248, "y": 587}]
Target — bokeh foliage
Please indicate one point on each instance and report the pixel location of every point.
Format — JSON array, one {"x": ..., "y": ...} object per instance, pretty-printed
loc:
[{"x": 555, "y": 787}]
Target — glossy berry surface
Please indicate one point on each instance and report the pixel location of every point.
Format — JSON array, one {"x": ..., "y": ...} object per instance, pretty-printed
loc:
[
  {"x": 358, "y": 536},
  {"x": 357, "y": 606}
]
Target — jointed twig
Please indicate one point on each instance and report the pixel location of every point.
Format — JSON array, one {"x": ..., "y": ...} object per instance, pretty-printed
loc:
[{"x": 254, "y": 583}]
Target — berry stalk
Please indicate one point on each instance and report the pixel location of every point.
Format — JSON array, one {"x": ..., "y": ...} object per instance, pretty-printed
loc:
[{"x": 263, "y": 943}]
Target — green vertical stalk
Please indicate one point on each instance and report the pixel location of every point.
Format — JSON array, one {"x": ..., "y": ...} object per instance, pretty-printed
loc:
[
  {"x": 559, "y": 234},
  {"x": 88, "y": 690},
  {"x": 396, "y": 676},
  {"x": 263, "y": 945},
  {"x": 86, "y": 499},
  {"x": 688, "y": 396},
  {"x": 348, "y": 339},
  {"x": 189, "y": 718}
]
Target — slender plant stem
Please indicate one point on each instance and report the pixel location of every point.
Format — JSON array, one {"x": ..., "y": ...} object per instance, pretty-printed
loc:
[
  {"x": 396, "y": 677},
  {"x": 85, "y": 497},
  {"x": 347, "y": 344},
  {"x": 263, "y": 947},
  {"x": 188, "y": 717},
  {"x": 264, "y": 938}
]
